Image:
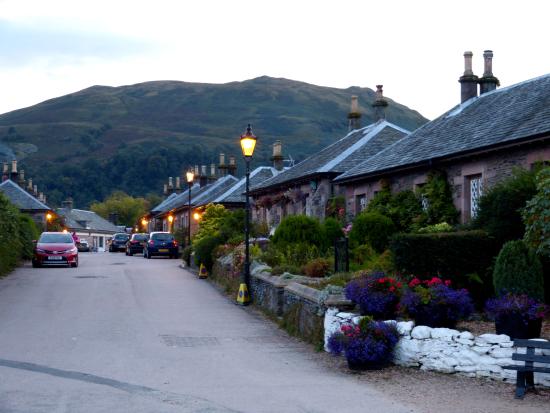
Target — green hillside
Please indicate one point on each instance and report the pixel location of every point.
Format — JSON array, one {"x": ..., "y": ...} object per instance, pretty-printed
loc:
[{"x": 133, "y": 137}]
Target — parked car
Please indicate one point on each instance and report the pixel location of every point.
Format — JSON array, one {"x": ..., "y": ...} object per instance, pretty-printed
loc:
[
  {"x": 136, "y": 243},
  {"x": 118, "y": 242},
  {"x": 161, "y": 243},
  {"x": 55, "y": 248},
  {"x": 83, "y": 246}
]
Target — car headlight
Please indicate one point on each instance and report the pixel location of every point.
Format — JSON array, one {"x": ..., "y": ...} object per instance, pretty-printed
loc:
[
  {"x": 71, "y": 250},
  {"x": 40, "y": 250}
]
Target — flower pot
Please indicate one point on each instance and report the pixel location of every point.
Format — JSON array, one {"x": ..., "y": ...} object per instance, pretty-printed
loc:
[
  {"x": 366, "y": 365},
  {"x": 515, "y": 326},
  {"x": 434, "y": 316}
]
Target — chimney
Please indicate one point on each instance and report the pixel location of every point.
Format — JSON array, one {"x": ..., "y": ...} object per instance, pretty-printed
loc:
[
  {"x": 165, "y": 189},
  {"x": 354, "y": 116},
  {"x": 277, "y": 157},
  {"x": 222, "y": 167},
  {"x": 232, "y": 167},
  {"x": 197, "y": 172},
  {"x": 488, "y": 82},
  {"x": 203, "y": 177},
  {"x": 170, "y": 183},
  {"x": 29, "y": 186},
  {"x": 468, "y": 81},
  {"x": 14, "y": 174},
  {"x": 22, "y": 178},
  {"x": 212, "y": 177},
  {"x": 68, "y": 204},
  {"x": 35, "y": 190},
  {"x": 41, "y": 197},
  {"x": 178, "y": 184},
  {"x": 380, "y": 104},
  {"x": 5, "y": 171}
]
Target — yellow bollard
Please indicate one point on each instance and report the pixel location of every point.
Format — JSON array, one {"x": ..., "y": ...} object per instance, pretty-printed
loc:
[
  {"x": 202, "y": 272},
  {"x": 243, "y": 298}
]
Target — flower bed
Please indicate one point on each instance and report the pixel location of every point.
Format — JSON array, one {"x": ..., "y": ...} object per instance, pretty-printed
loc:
[{"x": 444, "y": 350}]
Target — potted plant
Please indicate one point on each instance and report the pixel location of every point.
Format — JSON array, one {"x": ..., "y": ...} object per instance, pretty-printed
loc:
[
  {"x": 434, "y": 303},
  {"x": 517, "y": 315},
  {"x": 367, "y": 346},
  {"x": 376, "y": 295}
]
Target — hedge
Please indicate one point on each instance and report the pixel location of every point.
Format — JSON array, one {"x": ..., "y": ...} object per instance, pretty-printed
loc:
[{"x": 465, "y": 258}]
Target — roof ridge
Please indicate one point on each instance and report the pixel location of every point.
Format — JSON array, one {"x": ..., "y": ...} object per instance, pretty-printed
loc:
[{"x": 24, "y": 192}]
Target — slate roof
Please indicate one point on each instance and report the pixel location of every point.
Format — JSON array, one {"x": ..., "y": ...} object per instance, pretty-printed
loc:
[
  {"x": 217, "y": 189},
  {"x": 236, "y": 194},
  {"x": 81, "y": 220},
  {"x": 502, "y": 116},
  {"x": 160, "y": 207},
  {"x": 342, "y": 155},
  {"x": 21, "y": 198}
]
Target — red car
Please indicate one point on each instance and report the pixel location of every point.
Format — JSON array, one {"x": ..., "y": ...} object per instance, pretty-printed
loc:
[{"x": 55, "y": 248}]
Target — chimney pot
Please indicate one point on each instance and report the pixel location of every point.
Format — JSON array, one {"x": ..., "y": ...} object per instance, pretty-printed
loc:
[
  {"x": 232, "y": 160},
  {"x": 14, "y": 166},
  {"x": 178, "y": 182},
  {"x": 197, "y": 170},
  {"x": 170, "y": 182},
  {"x": 35, "y": 190},
  {"x": 468, "y": 81},
  {"x": 222, "y": 159},
  {"x": 203, "y": 170},
  {"x": 488, "y": 68},
  {"x": 165, "y": 189},
  {"x": 213, "y": 170},
  {"x": 29, "y": 187},
  {"x": 277, "y": 157},
  {"x": 488, "y": 82},
  {"x": 380, "y": 103},
  {"x": 354, "y": 116},
  {"x": 5, "y": 168}
]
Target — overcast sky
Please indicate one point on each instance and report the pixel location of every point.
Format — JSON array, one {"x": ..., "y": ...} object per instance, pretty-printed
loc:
[{"x": 414, "y": 48}]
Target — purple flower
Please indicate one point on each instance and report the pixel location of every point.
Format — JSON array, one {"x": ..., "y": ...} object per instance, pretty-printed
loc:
[
  {"x": 528, "y": 308},
  {"x": 376, "y": 295}
]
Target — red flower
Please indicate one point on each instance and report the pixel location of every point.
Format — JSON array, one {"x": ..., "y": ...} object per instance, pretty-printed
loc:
[{"x": 447, "y": 283}]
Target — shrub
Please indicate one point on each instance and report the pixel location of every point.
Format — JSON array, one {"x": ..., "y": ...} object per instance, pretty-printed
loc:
[
  {"x": 519, "y": 271},
  {"x": 403, "y": 208},
  {"x": 211, "y": 222},
  {"x": 10, "y": 244},
  {"x": 458, "y": 255},
  {"x": 372, "y": 228},
  {"x": 362, "y": 254},
  {"x": 298, "y": 229},
  {"x": 332, "y": 230},
  {"x": 536, "y": 216},
  {"x": 28, "y": 232},
  {"x": 500, "y": 207},
  {"x": 299, "y": 254},
  {"x": 376, "y": 295},
  {"x": 272, "y": 256},
  {"x": 204, "y": 249},
  {"x": 433, "y": 229},
  {"x": 435, "y": 304},
  {"x": 440, "y": 206},
  {"x": 281, "y": 269},
  {"x": 371, "y": 343},
  {"x": 317, "y": 268}
]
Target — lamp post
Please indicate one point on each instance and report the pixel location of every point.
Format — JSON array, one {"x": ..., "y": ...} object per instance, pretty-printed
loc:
[
  {"x": 189, "y": 176},
  {"x": 48, "y": 219},
  {"x": 248, "y": 143}
]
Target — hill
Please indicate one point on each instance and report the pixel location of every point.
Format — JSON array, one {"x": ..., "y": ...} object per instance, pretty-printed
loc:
[{"x": 132, "y": 137}]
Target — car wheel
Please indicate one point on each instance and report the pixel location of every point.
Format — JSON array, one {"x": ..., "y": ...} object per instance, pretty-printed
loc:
[
  {"x": 148, "y": 255},
  {"x": 35, "y": 264},
  {"x": 75, "y": 264},
  {"x": 130, "y": 253}
]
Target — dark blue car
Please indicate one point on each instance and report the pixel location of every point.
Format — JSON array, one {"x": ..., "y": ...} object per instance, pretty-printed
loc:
[{"x": 161, "y": 243}]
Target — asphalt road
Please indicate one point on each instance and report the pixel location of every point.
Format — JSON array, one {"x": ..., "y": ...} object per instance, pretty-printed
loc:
[{"x": 126, "y": 334}]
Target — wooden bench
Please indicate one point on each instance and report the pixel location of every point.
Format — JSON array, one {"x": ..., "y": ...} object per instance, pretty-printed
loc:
[{"x": 525, "y": 374}]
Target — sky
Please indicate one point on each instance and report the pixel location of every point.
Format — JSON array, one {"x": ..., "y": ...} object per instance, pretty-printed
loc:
[{"x": 414, "y": 48}]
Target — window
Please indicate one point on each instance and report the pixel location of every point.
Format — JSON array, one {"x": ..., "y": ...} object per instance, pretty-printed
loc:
[
  {"x": 101, "y": 239},
  {"x": 360, "y": 203},
  {"x": 476, "y": 190}
]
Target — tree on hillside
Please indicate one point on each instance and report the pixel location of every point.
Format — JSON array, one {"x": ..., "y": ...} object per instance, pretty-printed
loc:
[{"x": 128, "y": 208}]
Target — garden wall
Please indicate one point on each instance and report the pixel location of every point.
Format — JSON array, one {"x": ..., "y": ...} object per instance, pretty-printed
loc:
[
  {"x": 302, "y": 308},
  {"x": 445, "y": 350}
]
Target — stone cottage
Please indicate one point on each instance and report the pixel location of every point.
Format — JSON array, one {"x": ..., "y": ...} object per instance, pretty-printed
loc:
[{"x": 476, "y": 143}]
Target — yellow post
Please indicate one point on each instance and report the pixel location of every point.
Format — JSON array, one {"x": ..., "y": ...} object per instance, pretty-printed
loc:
[
  {"x": 202, "y": 272},
  {"x": 243, "y": 298}
]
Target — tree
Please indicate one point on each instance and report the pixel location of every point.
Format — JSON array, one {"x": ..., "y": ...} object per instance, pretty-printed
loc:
[
  {"x": 128, "y": 208},
  {"x": 536, "y": 216}
]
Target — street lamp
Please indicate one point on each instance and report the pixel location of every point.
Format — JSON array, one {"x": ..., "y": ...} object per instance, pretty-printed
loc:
[
  {"x": 170, "y": 222},
  {"x": 189, "y": 176},
  {"x": 248, "y": 143}
]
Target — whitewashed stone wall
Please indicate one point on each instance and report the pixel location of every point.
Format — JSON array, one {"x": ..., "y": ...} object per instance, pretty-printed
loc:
[{"x": 445, "y": 350}]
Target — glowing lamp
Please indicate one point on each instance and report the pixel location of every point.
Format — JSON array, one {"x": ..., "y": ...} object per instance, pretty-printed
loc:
[{"x": 248, "y": 142}]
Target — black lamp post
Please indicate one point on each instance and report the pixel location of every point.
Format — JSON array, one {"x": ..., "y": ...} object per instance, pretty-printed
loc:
[
  {"x": 248, "y": 143},
  {"x": 189, "y": 176}
]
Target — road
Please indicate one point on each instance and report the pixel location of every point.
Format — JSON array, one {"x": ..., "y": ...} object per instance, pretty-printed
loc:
[{"x": 126, "y": 334}]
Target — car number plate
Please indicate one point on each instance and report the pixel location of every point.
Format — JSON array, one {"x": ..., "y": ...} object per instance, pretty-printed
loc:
[
  {"x": 55, "y": 258},
  {"x": 163, "y": 250}
]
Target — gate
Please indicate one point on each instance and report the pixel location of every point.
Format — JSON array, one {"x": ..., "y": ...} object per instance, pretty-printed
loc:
[{"x": 341, "y": 255}]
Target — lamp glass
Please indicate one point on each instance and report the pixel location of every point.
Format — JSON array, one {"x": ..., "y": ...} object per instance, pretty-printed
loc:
[
  {"x": 170, "y": 218},
  {"x": 143, "y": 222},
  {"x": 248, "y": 143},
  {"x": 48, "y": 216},
  {"x": 189, "y": 175},
  {"x": 196, "y": 216}
]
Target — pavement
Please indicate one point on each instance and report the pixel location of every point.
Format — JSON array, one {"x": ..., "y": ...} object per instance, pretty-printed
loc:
[{"x": 126, "y": 334}]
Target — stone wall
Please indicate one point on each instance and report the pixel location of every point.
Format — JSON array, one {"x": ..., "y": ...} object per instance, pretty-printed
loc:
[{"x": 446, "y": 350}]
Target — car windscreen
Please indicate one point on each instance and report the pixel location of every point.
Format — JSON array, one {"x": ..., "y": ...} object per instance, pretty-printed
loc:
[
  {"x": 119, "y": 237},
  {"x": 55, "y": 239},
  {"x": 162, "y": 237},
  {"x": 140, "y": 237}
]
